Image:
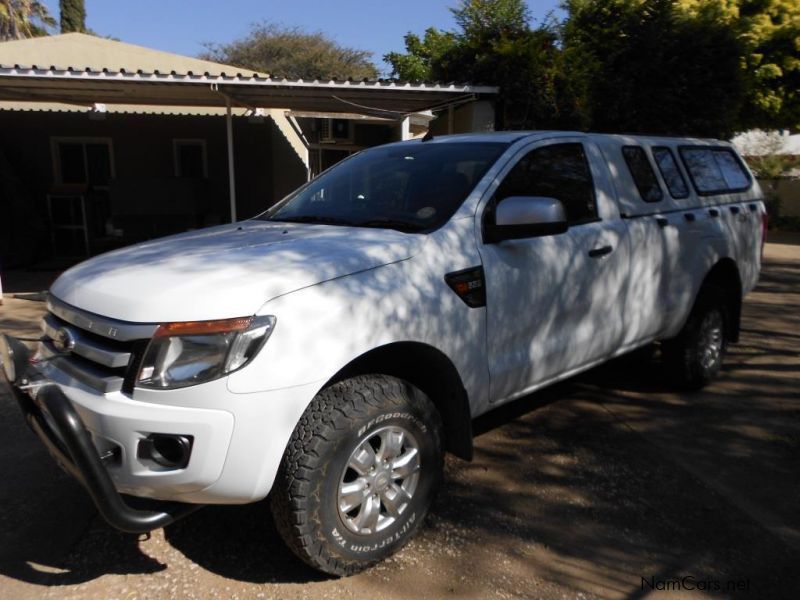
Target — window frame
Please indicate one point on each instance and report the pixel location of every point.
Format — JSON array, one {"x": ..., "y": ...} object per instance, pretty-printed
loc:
[
  {"x": 652, "y": 171},
  {"x": 55, "y": 154},
  {"x": 715, "y": 192},
  {"x": 677, "y": 164},
  {"x": 176, "y": 163},
  {"x": 493, "y": 201}
]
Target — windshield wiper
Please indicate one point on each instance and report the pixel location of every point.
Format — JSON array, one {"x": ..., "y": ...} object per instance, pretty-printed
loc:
[
  {"x": 315, "y": 219},
  {"x": 404, "y": 226}
]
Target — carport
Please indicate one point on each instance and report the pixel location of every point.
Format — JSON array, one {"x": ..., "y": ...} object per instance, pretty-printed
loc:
[{"x": 97, "y": 89}]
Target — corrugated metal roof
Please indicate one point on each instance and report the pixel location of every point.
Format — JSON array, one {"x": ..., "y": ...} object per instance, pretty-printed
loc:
[
  {"x": 39, "y": 70},
  {"x": 81, "y": 69},
  {"x": 131, "y": 109},
  {"x": 82, "y": 52}
]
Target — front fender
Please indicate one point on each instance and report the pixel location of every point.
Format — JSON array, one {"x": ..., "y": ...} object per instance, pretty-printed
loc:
[{"x": 323, "y": 328}]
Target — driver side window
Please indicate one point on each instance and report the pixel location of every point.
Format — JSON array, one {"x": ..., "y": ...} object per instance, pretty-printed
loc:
[{"x": 558, "y": 171}]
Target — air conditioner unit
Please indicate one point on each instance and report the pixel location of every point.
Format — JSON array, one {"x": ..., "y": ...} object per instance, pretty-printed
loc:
[{"x": 332, "y": 131}]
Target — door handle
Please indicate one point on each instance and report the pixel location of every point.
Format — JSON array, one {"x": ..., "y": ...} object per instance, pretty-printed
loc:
[
  {"x": 602, "y": 251},
  {"x": 689, "y": 217},
  {"x": 662, "y": 221},
  {"x": 735, "y": 210}
]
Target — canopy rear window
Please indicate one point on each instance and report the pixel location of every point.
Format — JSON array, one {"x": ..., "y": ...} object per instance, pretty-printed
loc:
[
  {"x": 715, "y": 170},
  {"x": 643, "y": 174},
  {"x": 671, "y": 172}
]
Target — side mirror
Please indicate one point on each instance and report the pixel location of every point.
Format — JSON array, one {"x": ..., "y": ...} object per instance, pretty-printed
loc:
[{"x": 519, "y": 217}]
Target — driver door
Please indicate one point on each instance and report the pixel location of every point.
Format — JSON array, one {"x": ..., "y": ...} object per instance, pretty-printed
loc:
[{"x": 554, "y": 302}]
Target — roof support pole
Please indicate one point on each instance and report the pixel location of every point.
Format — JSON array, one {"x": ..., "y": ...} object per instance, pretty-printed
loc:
[
  {"x": 405, "y": 128},
  {"x": 231, "y": 170}
]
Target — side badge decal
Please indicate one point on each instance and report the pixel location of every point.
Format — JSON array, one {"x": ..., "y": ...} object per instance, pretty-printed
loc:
[{"x": 469, "y": 285}]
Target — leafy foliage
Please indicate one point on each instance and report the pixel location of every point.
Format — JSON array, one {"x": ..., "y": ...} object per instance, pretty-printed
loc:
[
  {"x": 699, "y": 67},
  {"x": 294, "y": 53},
  {"x": 73, "y": 16},
  {"x": 767, "y": 156},
  {"x": 422, "y": 54},
  {"x": 21, "y": 19},
  {"x": 494, "y": 45},
  {"x": 481, "y": 19},
  {"x": 649, "y": 67},
  {"x": 769, "y": 31}
]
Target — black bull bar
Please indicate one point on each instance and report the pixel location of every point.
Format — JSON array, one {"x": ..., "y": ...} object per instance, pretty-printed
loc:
[{"x": 50, "y": 414}]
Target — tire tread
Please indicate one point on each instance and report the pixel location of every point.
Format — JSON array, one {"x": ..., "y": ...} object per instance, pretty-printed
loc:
[
  {"x": 329, "y": 417},
  {"x": 679, "y": 353}
]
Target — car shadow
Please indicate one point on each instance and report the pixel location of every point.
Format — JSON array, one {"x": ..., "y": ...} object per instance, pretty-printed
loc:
[
  {"x": 49, "y": 530},
  {"x": 241, "y": 543}
]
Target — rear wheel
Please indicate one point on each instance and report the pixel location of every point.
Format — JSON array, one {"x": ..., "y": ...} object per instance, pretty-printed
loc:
[
  {"x": 695, "y": 356},
  {"x": 359, "y": 473}
]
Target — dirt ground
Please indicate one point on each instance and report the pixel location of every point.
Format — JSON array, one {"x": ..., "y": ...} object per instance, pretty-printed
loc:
[{"x": 602, "y": 487}]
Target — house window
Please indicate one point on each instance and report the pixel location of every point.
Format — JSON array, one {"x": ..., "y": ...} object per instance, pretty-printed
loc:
[
  {"x": 334, "y": 130},
  {"x": 190, "y": 158},
  {"x": 83, "y": 160}
]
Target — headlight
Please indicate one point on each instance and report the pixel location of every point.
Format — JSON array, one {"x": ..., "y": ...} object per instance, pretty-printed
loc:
[{"x": 183, "y": 354}]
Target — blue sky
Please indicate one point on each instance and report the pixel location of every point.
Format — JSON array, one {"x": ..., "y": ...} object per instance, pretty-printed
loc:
[{"x": 183, "y": 25}]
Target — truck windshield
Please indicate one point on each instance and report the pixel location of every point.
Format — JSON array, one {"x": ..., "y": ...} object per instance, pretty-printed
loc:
[{"x": 411, "y": 187}]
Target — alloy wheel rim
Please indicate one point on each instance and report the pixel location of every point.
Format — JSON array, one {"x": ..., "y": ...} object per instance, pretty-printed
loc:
[
  {"x": 379, "y": 480},
  {"x": 711, "y": 337}
]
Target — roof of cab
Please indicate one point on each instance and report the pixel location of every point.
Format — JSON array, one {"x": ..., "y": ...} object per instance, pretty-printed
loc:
[
  {"x": 622, "y": 138},
  {"x": 507, "y": 137},
  {"x": 510, "y": 137},
  {"x": 499, "y": 136}
]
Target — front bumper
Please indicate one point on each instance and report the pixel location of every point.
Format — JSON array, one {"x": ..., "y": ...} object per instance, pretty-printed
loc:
[{"x": 55, "y": 421}]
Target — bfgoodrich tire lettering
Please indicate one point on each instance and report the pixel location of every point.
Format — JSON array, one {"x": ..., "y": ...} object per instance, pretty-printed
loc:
[{"x": 373, "y": 434}]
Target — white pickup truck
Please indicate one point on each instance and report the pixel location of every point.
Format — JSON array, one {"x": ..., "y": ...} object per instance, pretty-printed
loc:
[{"x": 326, "y": 352}]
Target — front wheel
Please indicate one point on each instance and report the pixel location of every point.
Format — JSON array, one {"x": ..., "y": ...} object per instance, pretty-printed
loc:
[
  {"x": 359, "y": 473},
  {"x": 695, "y": 356}
]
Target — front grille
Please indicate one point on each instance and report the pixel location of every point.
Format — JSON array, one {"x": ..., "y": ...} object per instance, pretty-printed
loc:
[{"x": 99, "y": 352}]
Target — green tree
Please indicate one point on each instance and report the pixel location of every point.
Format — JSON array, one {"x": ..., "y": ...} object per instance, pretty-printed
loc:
[
  {"x": 702, "y": 67},
  {"x": 73, "y": 16},
  {"x": 769, "y": 31},
  {"x": 421, "y": 55},
  {"x": 294, "y": 53},
  {"x": 486, "y": 19},
  {"x": 494, "y": 44},
  {"x": 21, "y": 19},
  {"x": 647, "y": 66}
]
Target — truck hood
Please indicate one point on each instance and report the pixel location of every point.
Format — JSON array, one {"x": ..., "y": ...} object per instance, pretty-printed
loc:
[{"x": 226, "y": 271}]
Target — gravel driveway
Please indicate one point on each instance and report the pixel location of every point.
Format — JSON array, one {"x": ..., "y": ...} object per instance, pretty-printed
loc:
[{"x": 602, "y": 487}]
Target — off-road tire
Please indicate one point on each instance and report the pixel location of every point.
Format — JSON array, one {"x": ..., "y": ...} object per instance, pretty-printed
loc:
[
  {"x": 686, "y": 356},
  {"x": 305, "y": 497}
]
